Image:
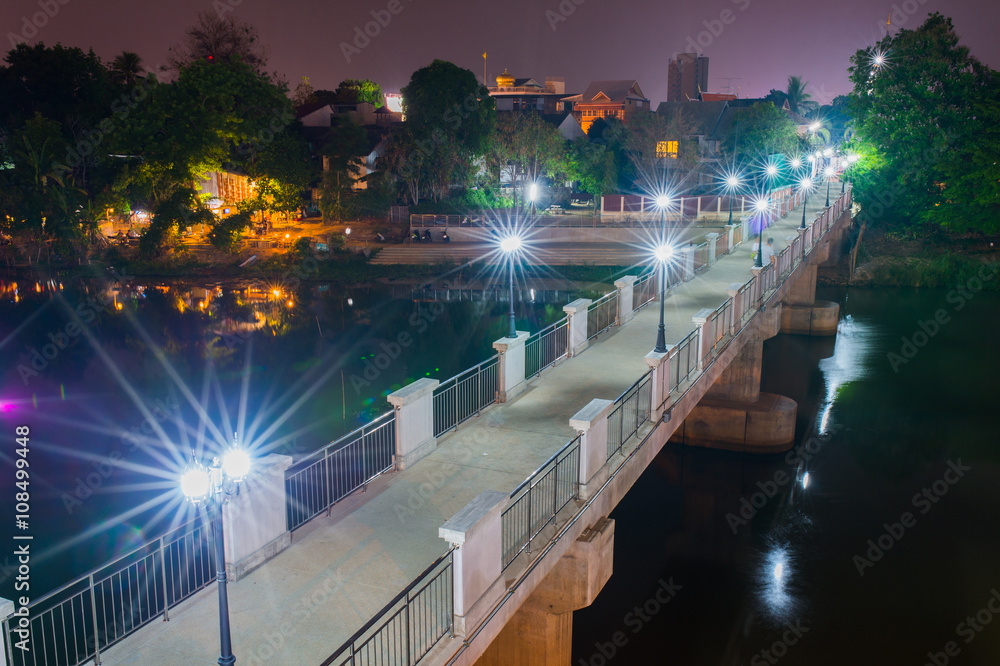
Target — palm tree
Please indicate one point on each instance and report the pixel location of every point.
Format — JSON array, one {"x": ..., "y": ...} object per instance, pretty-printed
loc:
[
  {"x": 799, "y": 100},
  {"x": 126, "y": 69}
]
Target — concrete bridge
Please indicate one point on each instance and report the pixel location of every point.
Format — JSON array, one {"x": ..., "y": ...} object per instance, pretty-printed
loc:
[{"x": 483, "y": 521}]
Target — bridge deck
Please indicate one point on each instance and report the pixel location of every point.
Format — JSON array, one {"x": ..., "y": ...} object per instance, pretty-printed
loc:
[{"x": 340, "y": 570}]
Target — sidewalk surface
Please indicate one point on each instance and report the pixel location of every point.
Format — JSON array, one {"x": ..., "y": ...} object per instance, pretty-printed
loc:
[{"x": 301, "y": 606}]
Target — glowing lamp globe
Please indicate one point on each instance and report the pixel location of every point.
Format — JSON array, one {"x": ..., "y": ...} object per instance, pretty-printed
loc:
[
  {"x": 828, "y": 172},
  {"x": 662, "y": 201},
  {"x": 195, "y": 483},
  {"x": 236, "y": 464},
  {"x": 771, "y": 170},
  {"x": 510, "y": 244},
  {"x": 732, "y": 182},
  {"x": 663, "y": 252},
  {"x": 814, "y": 127},
  {"x": 796, "y": 163},
  {"x": 761, "y": 205},
  {"x": 806, "y": 183},
  {"x": 533, "y": 192},
  {"x": 828, "y": 152}
]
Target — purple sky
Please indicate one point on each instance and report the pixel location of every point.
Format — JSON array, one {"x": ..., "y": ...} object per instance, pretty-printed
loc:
[{"x": 761, "y": 43}]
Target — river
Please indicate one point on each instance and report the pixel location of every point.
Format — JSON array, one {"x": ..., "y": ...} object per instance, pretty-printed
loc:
[
  {"x": 170, "y": 366},
  {"x": 888, "y": 554}
]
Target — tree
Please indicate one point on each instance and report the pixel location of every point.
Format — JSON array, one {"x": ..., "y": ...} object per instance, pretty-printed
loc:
[
  {"x": 126, "y": 69},
  {"x": 593, "y": 166},
  {"x": 346, "y": 146},
  {"x": 353, "y": 91},
  {"x": 402, "y": 160},
  {"x": 759, "y": 131},
  {"x": 219, "y": 40},
  {"x": 525, "y": 148},
  {"x": 923, "y": 109},
  {"x": 280, "y": 170},
  {"x": 799, "y": 100},
  {"x": 451, "y": 117},
  {"x": 304, "y": 93}
]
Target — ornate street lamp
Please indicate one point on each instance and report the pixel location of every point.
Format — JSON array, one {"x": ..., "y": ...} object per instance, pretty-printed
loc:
[
  {"x": 663, "y": 252},
  {"x": 761, "y": 206},
  {"x": 212, "y": 486},
  {"x": 732, "y": 185},
  {"x": 805, "y": 185},
  {"x": 509, "y": 246},
  {"x": 828, "y": 172}
]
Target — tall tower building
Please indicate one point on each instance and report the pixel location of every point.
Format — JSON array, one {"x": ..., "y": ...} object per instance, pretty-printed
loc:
[{"x": 687, "y": 76}]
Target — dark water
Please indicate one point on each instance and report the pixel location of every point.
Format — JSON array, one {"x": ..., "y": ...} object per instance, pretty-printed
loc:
[
  {"x": 903, "y": 453},
  {"x": 185, "y": 366}
]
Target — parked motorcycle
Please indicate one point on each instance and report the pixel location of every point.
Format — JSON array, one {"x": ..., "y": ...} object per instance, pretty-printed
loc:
[{"x": 445, "y": 237}]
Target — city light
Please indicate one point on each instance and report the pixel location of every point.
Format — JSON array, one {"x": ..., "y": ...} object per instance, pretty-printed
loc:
[
  {"x": 732, "y": 182},
  {"x": 236, "y": 464},
  {"x": 796, "y": 163},
  {"x": 663, "y": 252},
  {"x": 511, "y": 243},
  {"x": 195, "y": 482},
  {"x": 662, "y": 201}
]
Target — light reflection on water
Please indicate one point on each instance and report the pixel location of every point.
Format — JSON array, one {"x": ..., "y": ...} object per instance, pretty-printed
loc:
[{"x": 852, "y": 356}]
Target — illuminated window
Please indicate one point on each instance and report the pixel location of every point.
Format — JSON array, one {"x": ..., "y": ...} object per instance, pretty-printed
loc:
[{"x": 667, "y": 149}]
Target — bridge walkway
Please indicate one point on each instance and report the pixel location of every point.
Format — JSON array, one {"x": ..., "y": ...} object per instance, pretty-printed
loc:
[{"x": 299, "y": 607}]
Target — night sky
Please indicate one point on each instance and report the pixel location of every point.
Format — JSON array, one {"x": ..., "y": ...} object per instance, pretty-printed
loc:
[{"x": 759, "y": 42}]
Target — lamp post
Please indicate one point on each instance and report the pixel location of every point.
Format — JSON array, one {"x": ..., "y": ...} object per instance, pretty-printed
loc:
[
  {"x": 732, "y": 184},
  {"x": 212, "y": 486},
  {"x": 532, "y": 196},
  {"x": 663, "y": 253},
  {"x": 805, "y": 185},
  {"x": 510, "y": 245},
  {"x": 760, "y": 206},
  {"x": 828, "y": 172}
]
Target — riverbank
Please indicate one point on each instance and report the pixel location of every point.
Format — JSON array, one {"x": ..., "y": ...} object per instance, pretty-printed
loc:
[
  {"x": 338, "y": 267},
  {"x": 889, "y": 260}
]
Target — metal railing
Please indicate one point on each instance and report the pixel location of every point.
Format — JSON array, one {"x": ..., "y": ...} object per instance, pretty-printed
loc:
[
  {"x": 737, "y": 235},
  {"x": 322, "y": 479},
  {"x": 684, "y": 360},
  {"x": 545, "y": 347},
  {"x": 722, "y": 323},
  {"x": 701, "y": 259},
  {"x": 602, "y": 314},
  {"x": 721, "y": 245},
  {"x": 632, "y": 409},
  {"x": 465, "y": 395},
  {"x": 407, "y": 627},
  {"x": 536, "y": 502},
  {"x": 744, "y": 297},
  {"x": 643, "y": 291},
  {"x": 73, "y": 623}
]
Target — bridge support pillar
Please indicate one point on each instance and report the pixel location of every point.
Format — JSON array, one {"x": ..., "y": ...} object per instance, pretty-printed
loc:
[
  {"x": 475, "y": 533},
  {"x": 659, "y": 383},
  {"x": 802, "y": 314},
  {"x": 512, "y": 379},
  {"x": 256, "y": 529},
  {"x": 734, "y": 415},
  {"x": 730, "y": 235},
  {"x": 592, "y": 424},
  {"x": 576, "y": 315},
  {"x": 414, "y": 405},
  {"x": 713, "y": 240},
  {"x": 687, "y": 260},
  {"x": 625, "y": 286},
  {"x": 541, "y": 631}
]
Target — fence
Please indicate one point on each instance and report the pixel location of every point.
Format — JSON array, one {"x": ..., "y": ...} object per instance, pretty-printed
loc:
[
  {"x": 602, "y": 314},
  {"x": 643, "y": 291},
  {"x": 683, "y": 360},
  {"x": 322, "y": 479},
  {"x": 73, "y": 623},
  {"x": 408, "y": 626},
  {"x": 631, "y": 410},
  {"x": 701, "y": 261},
  {"x": 722, "y": 323},
  {"x": 536, "y": 502},
  {"x": 545, "y": 347},
  {"x": 465, "y": 395}
]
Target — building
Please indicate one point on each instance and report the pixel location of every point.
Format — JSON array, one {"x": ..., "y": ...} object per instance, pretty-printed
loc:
[
  {"x": 529, "y": 95},
  {"x": 608, "y": 99},
  {"x": 687, "y": 76}
]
